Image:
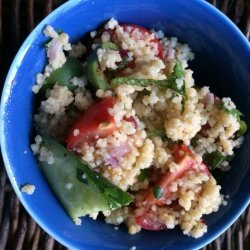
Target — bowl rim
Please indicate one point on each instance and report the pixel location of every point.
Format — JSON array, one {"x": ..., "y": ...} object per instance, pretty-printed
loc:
[{"x": 6, "y": 93}]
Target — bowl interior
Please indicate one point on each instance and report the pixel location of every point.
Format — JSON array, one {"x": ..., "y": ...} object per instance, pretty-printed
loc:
[{"x": 222, "y": 62}]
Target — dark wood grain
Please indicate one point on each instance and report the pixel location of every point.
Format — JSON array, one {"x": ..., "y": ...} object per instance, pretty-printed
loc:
[
  {"x": 48, "y": 6},
  {"x": 21, "y": 233},
  {"x": 5, "y": 225},
  {"x": 30, "y": 14}
]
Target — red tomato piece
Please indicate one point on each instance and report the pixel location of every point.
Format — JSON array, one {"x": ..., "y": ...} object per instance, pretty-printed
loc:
[
  {"x": 184, "y": 157},
  {"x": 167, "y": 179},
  {"x": 148, "y": 222},
  {"x": 186, "y": 164},
  {"x": 130, "y": 119},
  {"x": 180, "y": 151},
  {"x": 95, "y": 121}
]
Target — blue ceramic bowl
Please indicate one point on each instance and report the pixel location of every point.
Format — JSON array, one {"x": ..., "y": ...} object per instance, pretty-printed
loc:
[{"x": 222, "y": 61}]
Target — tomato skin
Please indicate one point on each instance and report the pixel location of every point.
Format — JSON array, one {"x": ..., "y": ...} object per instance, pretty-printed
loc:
[
  {"x": 184, "y": 157},
  {"x": 95, "y": 121},
  {"x": 180, "y": 151},
  {"x": 146, "y": 221},
  {"x": 132, "y": 120}
]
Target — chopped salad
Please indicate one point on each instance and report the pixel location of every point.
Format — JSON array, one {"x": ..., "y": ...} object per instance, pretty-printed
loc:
[{"x": 123, "y": 130}]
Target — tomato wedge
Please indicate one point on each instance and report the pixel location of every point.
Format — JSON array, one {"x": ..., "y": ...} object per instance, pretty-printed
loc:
[
  {"x": 141, "y": 32},
  {"x": 94, "y": 122},
  {"x": 148, "y": 222},
  {"x": 184, "y": 157}
]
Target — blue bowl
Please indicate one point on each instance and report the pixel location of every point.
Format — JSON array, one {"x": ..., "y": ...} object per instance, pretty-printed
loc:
[{"x": 222, "y": 62}]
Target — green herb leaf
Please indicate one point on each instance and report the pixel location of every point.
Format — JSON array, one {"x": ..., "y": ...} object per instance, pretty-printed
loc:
[
  {"x": 158, "y": 192},
  {"x": 178, "y": 71},
  {"x": 59, "y": 31},
  {"x": 143, "y": 175},
  {"x": 123, "y": 64},
  {"x": 158, "y": 132},
  {"x": 213, "y": 160},
  {"x": 168, "y": 83},
  {"x": 109, "y": 45},
  {"x": 236, "y": 113}
]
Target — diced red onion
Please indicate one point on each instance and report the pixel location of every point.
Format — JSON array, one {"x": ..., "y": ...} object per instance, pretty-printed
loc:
[
  {"x": 54, "y": 48},
  {"x": 123, "y": 53},
  {"x": 209, "y": 99},
  {"x": 112, "y": 161},
  {"x": 120, "y": 151},
  {"x": 169, "y": 52},
  {"x": 216, "y": 99}
]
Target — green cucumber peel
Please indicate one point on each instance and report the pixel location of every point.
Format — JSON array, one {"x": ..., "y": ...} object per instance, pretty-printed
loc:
[
  {"x": 90, "y": 192},
  {"x": 62, "y": 76},
  {"x": 95, "y": 75}
]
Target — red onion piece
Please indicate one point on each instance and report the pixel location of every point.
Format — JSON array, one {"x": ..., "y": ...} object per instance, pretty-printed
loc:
[
  {"x": 120, "y": 151},
  {"x": 169, "y": 52},
  {"x": 209, "y": 99},
  {"x": 112, "y": 161},
  {"x": 54, "y": 48}
]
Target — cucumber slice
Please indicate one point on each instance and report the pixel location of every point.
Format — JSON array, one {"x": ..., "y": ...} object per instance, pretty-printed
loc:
[
  {"x": 80, "y": 189},
  {"x": 94, "y": 74},
  {"x": 63, "y": 75}
]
